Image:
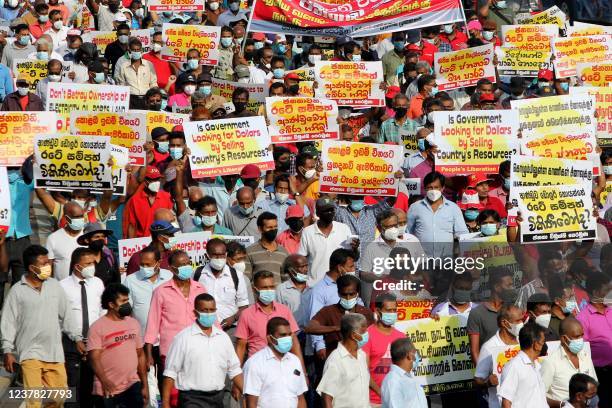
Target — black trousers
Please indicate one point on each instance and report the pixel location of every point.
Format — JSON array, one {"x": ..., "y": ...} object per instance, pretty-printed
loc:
[
  {"x": 130, "y": 398},
  {"x": 604, "y": 376},
  {"x": 80, "y": 375},
  {"x": 200, "y": 399}
]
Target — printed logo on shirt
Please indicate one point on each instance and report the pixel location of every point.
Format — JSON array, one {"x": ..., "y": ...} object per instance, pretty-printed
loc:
[{"x": 118, "y": 338}]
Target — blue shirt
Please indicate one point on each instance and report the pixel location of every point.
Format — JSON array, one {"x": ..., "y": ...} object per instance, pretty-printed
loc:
[
  {"x": 141, "y": 291},
  {"x": 400, "y": 390},
  {"x": 436, "y": 230},
  {"x": 20, "y": 205},
  {"x": 280, "y": 210},
  {"x": 365, "y": 224},
  {"x": 7, "y": 15},
  {"x": 6, "y": 82}
]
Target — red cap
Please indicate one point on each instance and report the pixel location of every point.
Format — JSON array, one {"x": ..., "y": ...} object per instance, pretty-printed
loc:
[
  {"x": 295, "y": 211},
  {"x": 392, "y": 91},
  {"x": 487, "y": 97},
  {"x": 475, "y": 179},
  {"x": 470, "y": 199},
  {"x": 178, "y": 128},
  {"x": 546, "y": 74},
  {"x": 413, "y": 47},
  {"x": 259, "y": 36},
  {"x": 152, "y": 173},
  {"x": 292, "y": 75},
  {"x": 250, "y": 171}
]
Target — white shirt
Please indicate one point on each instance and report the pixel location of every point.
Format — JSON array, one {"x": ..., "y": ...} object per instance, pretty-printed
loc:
[
  {"x": 484, "y": 367},
  {"x": 58, "y": 37},
  {"x": 277, "y": 383},
  {"x": 521, "y": 383},
  {"x": 257, "y": 75},
  {"x": 60, "y": 246},
  {"x": 94, "y": 288},
  {"x": 223, "y": 290},
  {"x": 315, "y": 246},
  {"x": 200, "y": 362},
  {"x": 557, "y": 369},
  {"x": 346, "y": 379}
]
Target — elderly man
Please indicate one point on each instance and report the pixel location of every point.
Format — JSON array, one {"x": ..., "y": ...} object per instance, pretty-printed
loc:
[
  {"x": 242, "y": 217},
  {"x": 54, "y": 74},
  {"x": 399, "y": 388},
  {"x": 44, "y": 49},
  {"x": 290, "y": 292}
]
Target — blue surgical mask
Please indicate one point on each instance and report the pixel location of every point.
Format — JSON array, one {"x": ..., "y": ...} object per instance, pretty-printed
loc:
[
  {"x": 42, "y": 55},
  {"x": 488, "y": 229},
  {"x": 209, "y": 220},
  {"x": 300, "y": 277},
  {"x": 507, "y": 183},
  {"x": 576, "y": 345},
  {"x": 193, "y": 63},
  {"x": 421, "y": 145},
  {"x": 259, "y": 45},
  {"x": 398, "y": 45},
  {"x": 185, "y": 272},
  {"x": 207, "y": 319},
  {"x": 147, "y": 271},
  {"x": 434, "y": 91},
  {"x": 197, "y": 220},
  {"x": 246, "y": 211},
  {"x": 564, "y": 86},
  {"x": 569, "y": 307},
  {"x": 364, "y": 339},
  {"x": 24, "y": 40},
  {"x": 417, "y": 361},
  {"x": 226, "y": 41},
  {"x": 163, "y": 147},
  {"x": 164, "y": 104},
  {"x": 592, "y": 402},
  {"x": 135, "y": 55},
  {"x": 278, "y": 73},
  {"x": 171, "y": 242},
  {"x": 471, "y": 215},
  {"x": 388, "y": 319},
  {"x": 282, "y": 48},
  {"x": 76, "y": 224},
  {"x": 267, "y": 296},
  {"x": 205, "y": 90},
  {"x": 99, "y": 78},
  {"x": 176, "y": 153},
  {"x": 357, "y": 205},
  {"x": 348, "y": 304},
  {"x": 283, "y": 344},
  {"x": 356, "y": 58}
]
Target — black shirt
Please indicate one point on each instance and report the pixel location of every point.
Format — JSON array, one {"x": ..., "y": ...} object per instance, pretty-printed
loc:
[{"x": 113, "y": 52}]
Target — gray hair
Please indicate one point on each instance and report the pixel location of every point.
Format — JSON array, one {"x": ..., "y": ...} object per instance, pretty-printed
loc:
[
  {"x": 351, "y": 322},
  {"x": 43, "y": 41},
  {"x": 197, "y": 97},
  {"x": 423, "y": 64},
  {"x": 400, "y": 349}
]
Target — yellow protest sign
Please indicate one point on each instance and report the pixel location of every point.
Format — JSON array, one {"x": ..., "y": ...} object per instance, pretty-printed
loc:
[
  {"x": 597, "y": 74},
  {"x": 553, "y": 15},
  {"x": 414, "y": 309},
  {"x": 121, "y": 159},
  {"x": 180, "y": 38},
  {"x": 176, "y": 5},
  {"x": 530, "y": 37},
  {"x": 444, "y": 347},
  {"x": 36, "y": 70},
  {"x": 517, "y": 62},
  {"x": 603, "y": 197},
  {"x": 556, "y": 213},
  {"x": 575, "y": 50},
  {"x": 167, "y": 120},
  {"x": 306, "y": 89},
  {"x": 474, "y": 141},
  {"x": 101, "y": 39},
  {"x": 295, "y": 119},
  {"x": 360, "y": 168},
  {"x": 305, "y": 73},
  {"x": 350, "y": 83},
  {"x": 257, "y": 92},
  {"x": 548, "y": 171},
  {"x": 501, "y": 356},
  {"x": 125, "y": 129},
  {"x": 17, "y": 131},
  {"x": 225, "y": 146},
  {"x": 458, "y": 69},
  {"x": 72, "y": 162},
  {"x": 581, "y": 29},
  {"x": 603, "y": 109}
]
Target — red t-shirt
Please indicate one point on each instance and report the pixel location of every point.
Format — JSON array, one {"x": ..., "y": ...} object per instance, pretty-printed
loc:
[
  {"x": 378, "y": 348},
  {"x": 427, "y": 53},
  {"x": 23, "y": 102},
  {"x": 139, "y": 212},
  {"x": 456, "y": 43},
  {"x": 162, "y": 70},
  {"x": 494, "y": 203}
]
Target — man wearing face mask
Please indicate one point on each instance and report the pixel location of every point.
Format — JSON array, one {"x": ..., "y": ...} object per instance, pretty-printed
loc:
[
  {"x": 63, "y": 242},
  {"x": 289, "y": 293},
  {"x": 106, "y": 265},
  {"x": 138, "y": 74},
  {"x": 426, "y": 86},
  {"x": 10, "y": 11},
  {"x": 394, "y": 58},
  {"x": 162, "y": 240},
  {"x": 58, "y": 32},
  {"x": 457, "y": 39},
  {"x": 224, "y": 69},
  {"x": 31, "y": 332},
  {"x": 459, "y": 298},
  {"x": 241, "y": 218},
  {"x": 569, "y": 359},
  {"x": 22, "y": 100},
  {"x": 424, "y": 145},
  {"x": 142, "y": 205},
  {"x": 187, "y": 87},
  {"x": 399, "y": 388},
  {"x": 163, "y": 69},
  {"x": 234, "y": 13},
  {"x": 54, "y": 74},
  {"x": 205, "y": 88},
  {"x": 106, "y": 13},
  {"x": 213, "y": 11},
  {"x": 314, "y": 55},
  {"x": 83, "y": 291},
  {"x": 582, "y": 392},
  {"x": 95, "y": 72},
  {"x": 430, "y": 105},
  {"x": 42, "y": 23},
  {"x": 72, "y": 43},
  {"x": 538, "y": 308},
  {"x": 119, "y": 47},
  {"x": 240, "y": 100},
  {"x": 266, "y": 254},
  {"x": 291, "y": 237},
  {"x": 394, "y": 129},
  {"x": 279, "y": 204},
  {"x": 510, "y": 323},
  {"x": 18, "y": 49}
]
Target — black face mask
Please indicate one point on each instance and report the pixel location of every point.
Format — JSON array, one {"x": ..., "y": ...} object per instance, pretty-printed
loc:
[
  {"x": 327, "y": 217},
  {"x": 96, "y": 245},
  {"x": 283, "y": 165},
  {"x": 230, "y": 182},
  {"x": 155, "y": 107},
  {"x": 270, "y": 235},
  {"x": 294, "y": 89},
  {"x": 296, "y": 224},
  {"x": 249, "y": 55},
  {"x": 240, "y": 106},
  {"x": 125, "y": 310},
  {"x": 113, "y": 7},
  {"x": 400, "y": 112}
]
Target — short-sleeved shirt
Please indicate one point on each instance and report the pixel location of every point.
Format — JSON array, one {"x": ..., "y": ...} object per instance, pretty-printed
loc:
[
  {"x": 20, "y": 204},
  {"x": 484, "y": 367},
  {"x": 139, "y": 211},
  {"x": 557, "y": 369},
  {"x": 261, "y": 259},
  {"x": 391, "y": 131},
  {"x": 240, "y": 224},
  {"x": 331, "y": 316},
  {"x": 289, "y": 240},
  {"x": 521, "y": 383},
  {"x": 119, "y": 341},
  {"x": 253, "y": 321},
  {"x": 598, "y": 331},
  {"x": 482, "y": 321}
]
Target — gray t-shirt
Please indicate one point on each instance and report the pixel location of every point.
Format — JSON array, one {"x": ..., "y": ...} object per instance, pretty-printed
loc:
[{"x": 482, "y": 321}]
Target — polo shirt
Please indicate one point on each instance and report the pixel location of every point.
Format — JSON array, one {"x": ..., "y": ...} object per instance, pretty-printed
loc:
[
  {"x": 139, "y": 212},
  {"x": 391, "y": 131},
  {"x": 557, "y": 369},
  {"x": 253, "y": 321},
  {"x": 598, "y": 331},
  {"x": 484, "y": 367},
  {"x": 289, "y": 295},
  {"x": 521, "y": 383},
  {"x": 141, "y": 292},
  {"x": 482, "y": 321},
  {"x": 289, "y": 240},
  {"x": 332, "y": 315},
  {"x": 261, "y": 259},
  {"x": 240, "y": 224}
]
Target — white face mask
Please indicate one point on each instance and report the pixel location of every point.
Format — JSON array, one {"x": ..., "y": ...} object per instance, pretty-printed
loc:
[
  {"x": 543, "y": 320},
  {"x": 516, "y": 328},
  {"x": 314, "y": 58},
  {"x": 58, "y": 24},
  {"x": 434, "y": 195},
  {"x": 189, "y": 89},
  {"x": 154, "y": 186},
  {"x": 157, "y": 47},
  {"x": 391, "y": 234},
  {"x": 488, "y": 35},
  {"x": 310, "y": 173},
  {"x": 239, "y": 266},
  {"x": 213, "y": 6},
  {"x": 217, "y": 263},
  {"x": 88, "y": 272}
]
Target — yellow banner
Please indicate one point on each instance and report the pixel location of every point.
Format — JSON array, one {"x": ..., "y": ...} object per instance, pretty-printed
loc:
[
  {"x": 257, "y": 92},
  {"x": 581, "y": 29},
  {"x": 414, "y": 309},
  {"x": 599, "y": 74},
  {"x": 530, "y": 37},
  {"x": 299, "y": 119},
  {"x": 350, "y": 83},
  {"x": 179, "y": 39},
  {"x": 18, "y": 130},
  {"x": 176, "y": 5},
  {"x": 553, "y": 15},
  {"x": 36, "y": 70},
  {"x": 517, "y": 62},
  {"x": 575, "y": 50},
  {"x": 458, "y": 69},
  {"x": 164, "y": 119},
  {"x": 603, "y": 197}
]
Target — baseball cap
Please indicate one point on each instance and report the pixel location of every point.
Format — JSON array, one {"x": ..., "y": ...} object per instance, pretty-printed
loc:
[
  {"x": 295, "y": 211},
  {"x": 152, "y": 172},
  {"x": 546, "y": 74},
  {"x": 474, "y": 25},
  {"x": 292, "y": 75},
  {"x": 392, "y": 91},
  {"x": 250, "y": 171},
  {"x": 204, "y": 77},
  {"x": 162, "y": 227},
  {"x": 475, "y": 179},
  {"x": 73, "y": 32},
  {"x": 469, "y": 199}
]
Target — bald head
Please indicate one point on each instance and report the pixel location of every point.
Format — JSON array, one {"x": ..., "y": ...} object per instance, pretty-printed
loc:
[
  {"x": 571, "y": 328},
  {"x": 164, "y": 214},
  {"x": 245, "y": 194},
  {"x": 73, "y": 210},
  {"x": 195, "y": 194}
]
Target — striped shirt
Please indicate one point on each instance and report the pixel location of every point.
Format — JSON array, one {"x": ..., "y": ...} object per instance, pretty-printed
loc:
[{"x": 260, "y": 259}]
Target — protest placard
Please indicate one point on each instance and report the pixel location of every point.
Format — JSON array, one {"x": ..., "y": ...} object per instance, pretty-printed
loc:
[
  {"x": 553, "y": 15},
  {"x": 548, "y": 171},
  {"x": 594, "y": 74},
  {"x": 121, "y": 158},
  {"x": 414, "y": 309},
  {"x": 72, "y": 162},
  {"x": 444, "y": 347},
  {"x": 18, "y": 130},
  {"x": 101, "y": 39},
  {"x": 474, "y": 141},
  {"x": 603, "y": 108},
  {"x": 569, "y": 52},
  {"x": 413, "y": 185},
  {"x": 257, "y": 92},
  {"x": 164, "y": 119},
  {"x": 558, "y": 126},
  {"x": 176, "y": 5},
  {"x": 351, "y": 18},
  {"x": 128, "y": 247},
  {"x": 306, "y": 89},
  {"x": 65, "y": 98},
  {"x": 530, "y": 37},
  {"x": 295, "y": 119},
  {"x": 360, "y": 168},
  {"x": 501, "y": 356},
  {"x": 517, "y": 62},
  {"x": 350, "y": 83},
  {"x": 125, "y": 129},
  {"x": 603, "y": 196},
  {"x": 5, "y": 201},
  {"x": 225, "y": 146},
  {"x": 180, "y": 38},
  {"x": 458, "y": 69},
  {"x": 36, "y": 70},
  {"x": 579, "y": 29},
  {"x": 556, "y": 213}
]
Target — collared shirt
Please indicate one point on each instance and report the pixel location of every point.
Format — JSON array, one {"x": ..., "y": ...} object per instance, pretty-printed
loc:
[
  {"x": 141, "y": 292},
  {"x": 260, "y": 258},
  {"x": 224, "y": 291},
  {"x": 400, "y": 389},
  {"x": 331, "y": 315},
  {"x": 521, "y": 383},
  {"x": 598, "y": 331},
  {"x": 186, "y": 222},
  {"x": 12, "y": 52},
  {"x": 20, "y": 205},
  {"x": 391, "y": 131},
  {"x": 139, "y": 212},
  {"x": 94, "y": 288},
  {"x": 346, "y": 379},
  {"x": 280, "y": 210},
  {"x": 436, "y": 230},
  {"x": 379, "y": 249},
  {"x": 276, "y": 383},
  {"x": 37, "y": 29},
  {"x": 289, "y": 295},
  {"x": 228, "y": 17},
  {"x": 391, "y": 60},
  {"x": 317, "y": 247},
  {"x": 58, "y": 37},
  {"x": 139, "y": 80},
  {"x": 289, "y": 240},
  {"x": 412, "y": 161},
  {"x": 448, "y": 309},
  {"x": 253, "y": 321},
  {"x": 170, "y": 312},
  {"x": 240, "y": 224},
  {"x": 500, "y": 193},
  {"x": 484, "y": 367},
  {"x": 557, "y": 369},
  {"x": 200, "y": 362},
  {"x": 218, "y": 191},
  {"x": 365, "y": 224},
  {"x": 60, "y": 245},
  {"x": 223, "y": 69},
  {"x": 6, "y": 79},
  {"x": 33, "y": 321}
]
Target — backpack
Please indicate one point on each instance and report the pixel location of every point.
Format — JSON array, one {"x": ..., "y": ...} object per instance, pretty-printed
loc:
[{"x": 233, "y": 273}]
